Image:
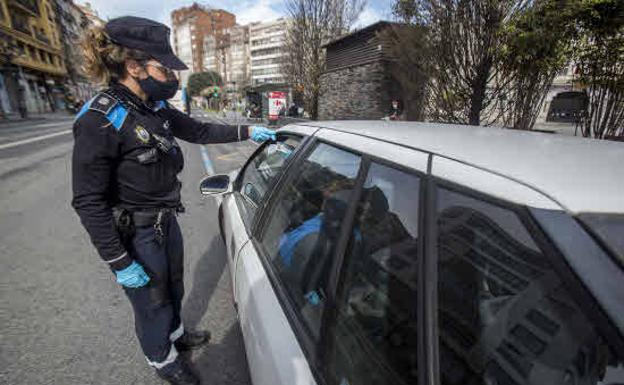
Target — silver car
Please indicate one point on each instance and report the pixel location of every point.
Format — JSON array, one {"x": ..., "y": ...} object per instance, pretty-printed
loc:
[{"x": 398, "y": 253}]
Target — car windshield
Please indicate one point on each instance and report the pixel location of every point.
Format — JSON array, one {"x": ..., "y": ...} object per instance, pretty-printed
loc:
[{"x": 609, "y": 228}]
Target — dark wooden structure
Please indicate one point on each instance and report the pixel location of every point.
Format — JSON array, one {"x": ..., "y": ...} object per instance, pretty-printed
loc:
[{"x": 357, "y": 83}]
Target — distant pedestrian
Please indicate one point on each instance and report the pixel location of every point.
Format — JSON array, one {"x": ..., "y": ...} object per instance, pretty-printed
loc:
[
  {"x": 293, "y": 110},
  {"x": 125, "y": 187},
  {"x": 395, "y": 111},
  {"x": 186, "y": 99},
  {"x": 21, "y": 102}
]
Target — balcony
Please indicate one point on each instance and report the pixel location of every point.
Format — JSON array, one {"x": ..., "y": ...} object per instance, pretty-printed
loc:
[
  {"x": 21, "y": 25},
  {"x": 30, "y": 6},
  {"x": 42, "y": 37}
]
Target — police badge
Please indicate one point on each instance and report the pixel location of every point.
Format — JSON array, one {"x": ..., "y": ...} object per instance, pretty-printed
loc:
[{"x": 142, "y": 134}]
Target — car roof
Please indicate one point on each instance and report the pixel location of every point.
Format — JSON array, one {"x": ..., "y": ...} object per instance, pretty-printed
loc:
[{"x": 581, "y": 174}]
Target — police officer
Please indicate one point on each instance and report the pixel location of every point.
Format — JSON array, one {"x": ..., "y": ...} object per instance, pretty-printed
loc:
[{"x": 125, "y": 187}]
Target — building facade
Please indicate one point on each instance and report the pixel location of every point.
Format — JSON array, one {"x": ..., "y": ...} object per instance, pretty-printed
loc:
[
  {"x": 228, "y": 55},
  {"x": 32, "y": 64},
  {"x": 90, "y": 13},
  {"x": 357, "y": 82},
  {"x": 191, "y": 27},
  {"x": 267, "y": 52},
  {"x": 74, "y": 22}
]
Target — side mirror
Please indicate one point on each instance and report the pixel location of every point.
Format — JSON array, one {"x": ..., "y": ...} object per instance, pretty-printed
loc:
[{"x": 214, "y": 184}]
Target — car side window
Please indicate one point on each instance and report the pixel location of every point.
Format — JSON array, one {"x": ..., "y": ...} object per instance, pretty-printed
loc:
[
  {"x": 504, "y": 314},
  {"x": 301, "y": 234},
  {"x": 261, "y": 172},
  {"x": 373, "y": 339}
]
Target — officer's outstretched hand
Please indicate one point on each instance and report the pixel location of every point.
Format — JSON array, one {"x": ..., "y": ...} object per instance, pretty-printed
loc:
[
  {"x": 261, "y": 134},
  {"x": 132, "y": 276}
]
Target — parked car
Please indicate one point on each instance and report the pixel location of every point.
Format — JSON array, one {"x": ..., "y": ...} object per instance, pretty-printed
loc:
[{"x": 378, "y": 253}]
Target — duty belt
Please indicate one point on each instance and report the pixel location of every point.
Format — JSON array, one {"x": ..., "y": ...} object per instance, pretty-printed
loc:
[
  {"x": 155, "y": 218},
  {"x": 151, "y": 217}
]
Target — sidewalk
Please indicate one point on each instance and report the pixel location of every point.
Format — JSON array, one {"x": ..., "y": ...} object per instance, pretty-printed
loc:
[{"x": 14, "y": 120}]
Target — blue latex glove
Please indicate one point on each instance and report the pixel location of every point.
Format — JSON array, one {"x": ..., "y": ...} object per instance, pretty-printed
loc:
[
  {"x": 132, "y": 276},
  {"x": 260, "y": 134}
]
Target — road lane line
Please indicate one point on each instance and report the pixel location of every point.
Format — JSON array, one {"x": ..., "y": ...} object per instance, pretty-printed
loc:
[
  {"x": 228, "y": 156},
  {"x": 209, "y": 170},
  {"x": 35, "y": 139}
]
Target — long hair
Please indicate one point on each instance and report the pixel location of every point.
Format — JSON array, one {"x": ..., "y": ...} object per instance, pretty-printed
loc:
[{"x": 105, "y": 61}]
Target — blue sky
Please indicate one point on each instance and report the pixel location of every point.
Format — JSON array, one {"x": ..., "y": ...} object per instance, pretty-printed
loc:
[{"x": 245, "y": 10}]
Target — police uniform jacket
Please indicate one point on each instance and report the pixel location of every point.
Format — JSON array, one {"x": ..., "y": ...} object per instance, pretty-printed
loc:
[{"x": 126, "y": 155}]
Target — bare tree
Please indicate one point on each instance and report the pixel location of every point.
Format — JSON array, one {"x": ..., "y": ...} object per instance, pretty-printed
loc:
[
  {"x": 466, "y": 36},
  {"x": 312, "y": 24},
  {"x": 537, "y": 41},
  {"x": 464, "y": 40},
  {"x": 599, "y": 53}
]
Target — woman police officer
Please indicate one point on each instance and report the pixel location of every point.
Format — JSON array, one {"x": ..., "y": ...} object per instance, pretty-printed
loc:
[{"x": 125, "y": 165}]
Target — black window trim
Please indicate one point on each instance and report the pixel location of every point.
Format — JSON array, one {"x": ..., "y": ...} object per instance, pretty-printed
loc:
[
  {"x": 538, "y": 235},
  {"x": 311, "y": 349}
]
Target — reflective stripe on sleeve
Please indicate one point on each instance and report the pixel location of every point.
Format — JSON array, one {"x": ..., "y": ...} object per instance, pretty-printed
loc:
[{"x": 118, "y": 258}]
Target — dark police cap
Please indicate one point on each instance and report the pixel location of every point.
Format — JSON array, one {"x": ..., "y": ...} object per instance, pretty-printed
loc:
[{"x": 144, "y": 35}]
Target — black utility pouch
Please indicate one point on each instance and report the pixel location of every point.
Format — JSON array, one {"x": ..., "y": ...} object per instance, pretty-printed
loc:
[
  {"x": 124, "y": 224},
  {"x": 149, "y": 156}
]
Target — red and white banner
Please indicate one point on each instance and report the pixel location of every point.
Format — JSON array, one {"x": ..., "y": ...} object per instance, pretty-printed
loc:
[{"x": 277, "y": 103}]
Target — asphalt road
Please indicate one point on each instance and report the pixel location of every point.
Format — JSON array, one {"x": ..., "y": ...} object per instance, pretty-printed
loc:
[{"x": 64, "y": 319}]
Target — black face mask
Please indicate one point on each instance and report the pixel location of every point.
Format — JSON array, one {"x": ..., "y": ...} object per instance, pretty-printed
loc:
[{"x": 157, "y": 90}]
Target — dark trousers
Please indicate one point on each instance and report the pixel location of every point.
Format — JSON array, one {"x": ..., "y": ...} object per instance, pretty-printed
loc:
[{"x": 157, "y": 305}]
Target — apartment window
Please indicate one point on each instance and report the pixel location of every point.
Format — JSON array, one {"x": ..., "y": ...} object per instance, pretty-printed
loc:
[
  {"x": 263, "y": 62},
  {"x": 265, "y": 71},
  {"x": 266, "y": 51}
]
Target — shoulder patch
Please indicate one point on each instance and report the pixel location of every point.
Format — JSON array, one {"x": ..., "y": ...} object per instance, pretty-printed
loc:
[
  {"x": 103, "y": 103},
  {"x": 117, "y": 116},
  {"x": 111, "y": 108}
]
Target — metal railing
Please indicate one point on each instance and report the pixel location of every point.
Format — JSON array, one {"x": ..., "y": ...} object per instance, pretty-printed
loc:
[
  {"x": 42, "y": 37},
  {"x": 30, "y": 5}
]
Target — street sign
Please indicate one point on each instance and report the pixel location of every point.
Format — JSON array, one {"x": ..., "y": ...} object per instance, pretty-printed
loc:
[{"x": 277, "y": 102}]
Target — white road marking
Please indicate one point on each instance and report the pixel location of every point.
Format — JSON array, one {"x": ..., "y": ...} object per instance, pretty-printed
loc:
[
  {"x": 209, "y": 169},
  {"x": 35, "y": 139},
  {"x": 65, "y": 123}
]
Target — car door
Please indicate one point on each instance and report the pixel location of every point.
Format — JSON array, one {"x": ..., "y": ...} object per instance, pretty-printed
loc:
[
  {"x": 282, "y": 272},
  {"x": 251, "y": 188},
  {"x": 373, "y": 335},
  {"x": 288, "y": 271},
  {"x": 509, "y": 310}
]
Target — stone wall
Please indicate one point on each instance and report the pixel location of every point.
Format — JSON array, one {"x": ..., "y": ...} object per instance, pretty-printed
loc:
[{"x": 354, "y": 93}]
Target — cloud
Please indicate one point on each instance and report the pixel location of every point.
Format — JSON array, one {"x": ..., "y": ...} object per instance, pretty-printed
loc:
[
  {"x": 375, "y": 11},
  {"x": 263, "y": 10},
  {"x": 367, "y": 17},
  {"x": 246, "y": 11}
]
